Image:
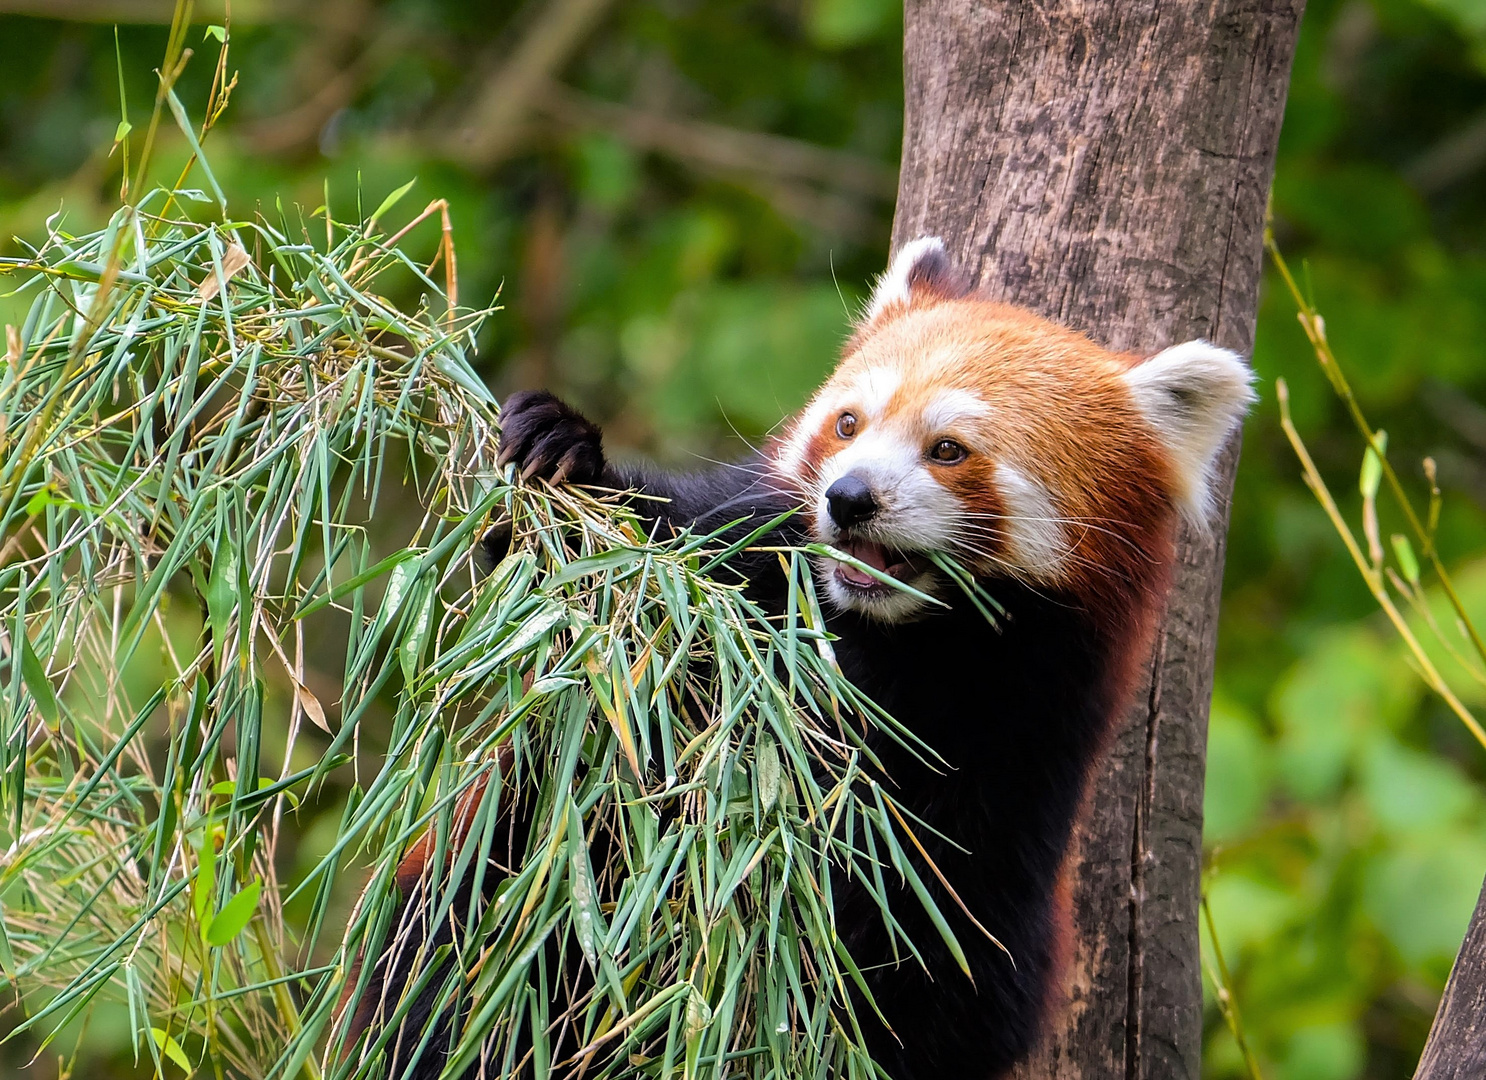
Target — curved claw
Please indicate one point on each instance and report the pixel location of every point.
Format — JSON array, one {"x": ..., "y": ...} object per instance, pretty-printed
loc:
[{"x": 549, "y": 440}]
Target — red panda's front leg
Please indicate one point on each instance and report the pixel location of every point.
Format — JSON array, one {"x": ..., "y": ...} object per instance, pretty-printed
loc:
[{"x": 547, "y": 439}]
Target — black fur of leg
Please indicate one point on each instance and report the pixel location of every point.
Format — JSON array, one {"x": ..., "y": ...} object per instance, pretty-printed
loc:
[{"x": 493, "y": 546}]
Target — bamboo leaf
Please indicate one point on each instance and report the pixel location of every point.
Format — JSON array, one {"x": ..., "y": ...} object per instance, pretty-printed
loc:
[
  {"x": 388, "y": 203},
  {"x": 170, "y": 1048},
  {"x": 205, "y": 884},
  {"x": 768, "y": 774},
  {"x": 38, "y": 682},
  {"x": 360, "y": 580},
  {"x": 231, "y": 920},
  {"x": 595, "y": 564},
  {"x": 240, "y": 422}
]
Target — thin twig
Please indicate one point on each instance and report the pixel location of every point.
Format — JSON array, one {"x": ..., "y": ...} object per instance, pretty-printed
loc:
[
  {"x": 1223, "y": 990},
  {"x": 1370, "y": 575},
  {"x": 1315, "y": 330}
]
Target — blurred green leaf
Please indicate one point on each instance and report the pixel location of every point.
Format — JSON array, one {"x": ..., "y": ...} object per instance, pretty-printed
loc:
[
  {"x": 1469, "y": 14},
  {"x": 1421, "y": 895},
  {"x": 838, "y": 24},
  {"x": 1335, "y": 1051},
  {"x": 738, "y": 356},
  {"x": 1372, "y": 467},
  {"x": 1354, "y": 207},
  {"x": 1347, "y": 686},
  {"x": 1409, "y": 791},
  {"x": 1408, "y": 563},
  {"x": 1249, "y": 911},
  {"x": 608, "y": 171},
  {"x": 1239, "y": 769}
]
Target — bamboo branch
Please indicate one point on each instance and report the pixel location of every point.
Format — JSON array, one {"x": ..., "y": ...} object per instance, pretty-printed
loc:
[{"x": 1370, "y": 575}]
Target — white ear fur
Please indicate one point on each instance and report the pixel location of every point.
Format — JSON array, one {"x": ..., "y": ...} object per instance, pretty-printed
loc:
[
  {"x": 894, "y": 285},
  {"x": 1193, "y": 395}
]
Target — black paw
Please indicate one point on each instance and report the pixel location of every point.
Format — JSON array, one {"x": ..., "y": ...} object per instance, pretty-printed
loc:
[{"x": 548, "y": 440}]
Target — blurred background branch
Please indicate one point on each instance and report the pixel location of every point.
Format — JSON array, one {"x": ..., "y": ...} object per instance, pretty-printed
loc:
[
  {"x": 719, "y": 147},
  {"x": 493, "y": 124},
  {"x": 1453, "y": 159},
  {"x": 331, "y": 75},
  {"x": 244, "y": 12}
]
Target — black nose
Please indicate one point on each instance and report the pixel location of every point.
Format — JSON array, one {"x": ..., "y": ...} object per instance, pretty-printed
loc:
[{"x": 850, "y": 501}]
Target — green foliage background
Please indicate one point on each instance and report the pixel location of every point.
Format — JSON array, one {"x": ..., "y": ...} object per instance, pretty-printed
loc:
[{"x": 689, "y": 298}]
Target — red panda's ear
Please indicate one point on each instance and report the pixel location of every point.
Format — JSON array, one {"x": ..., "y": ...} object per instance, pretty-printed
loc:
[
  {"x": 1193, "y": 395},
  {"x": 921, "y": 268}
]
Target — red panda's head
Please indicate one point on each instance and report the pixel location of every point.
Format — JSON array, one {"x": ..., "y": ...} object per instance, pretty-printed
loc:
[{"x": 1020, "y": 448}]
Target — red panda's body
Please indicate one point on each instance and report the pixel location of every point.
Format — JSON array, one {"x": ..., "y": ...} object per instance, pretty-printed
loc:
[{"x": 1055, "y": 472}]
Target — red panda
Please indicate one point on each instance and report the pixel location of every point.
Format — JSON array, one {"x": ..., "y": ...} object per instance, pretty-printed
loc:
[{"x": 1052, "y": 469}]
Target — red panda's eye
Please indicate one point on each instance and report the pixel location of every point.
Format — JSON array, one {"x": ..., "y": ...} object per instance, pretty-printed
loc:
[
  {"x": 846, "y": 426},
  {"x": 948, "y": 452}
]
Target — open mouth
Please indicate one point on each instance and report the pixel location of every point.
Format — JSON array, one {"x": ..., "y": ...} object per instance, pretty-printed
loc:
[{"x": 883, "y": 559}]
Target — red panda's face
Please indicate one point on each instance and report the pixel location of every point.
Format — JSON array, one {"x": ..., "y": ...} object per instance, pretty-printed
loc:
[{"x": 959, "y": 427}]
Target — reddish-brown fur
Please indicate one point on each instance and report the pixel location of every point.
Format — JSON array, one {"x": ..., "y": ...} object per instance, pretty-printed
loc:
[
  {"x": 1056, "y": 399},
  {"x": 413, "y": 871}
]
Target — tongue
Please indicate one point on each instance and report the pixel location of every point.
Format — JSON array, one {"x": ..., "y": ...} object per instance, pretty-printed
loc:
[{"x": 873, "y": 555}]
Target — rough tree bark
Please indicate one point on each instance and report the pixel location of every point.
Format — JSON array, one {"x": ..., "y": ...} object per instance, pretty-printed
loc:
[
  {"x": 1107, "y": 163},
  {"x": 1456, "y": 1049}
]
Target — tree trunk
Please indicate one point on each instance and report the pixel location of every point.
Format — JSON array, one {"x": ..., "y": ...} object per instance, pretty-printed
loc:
[
  {"x": 1456, "y": 1049},
  {"x": 1106, "y": 163}
]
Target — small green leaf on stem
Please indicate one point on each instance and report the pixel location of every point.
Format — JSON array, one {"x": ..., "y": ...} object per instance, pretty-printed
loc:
[
  {"x": 1372, "y": 466},
  {"x": 389, "y": 202},
  {"x": 1403, "y": 551}
]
